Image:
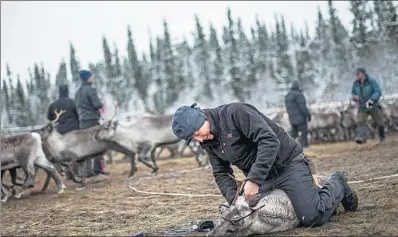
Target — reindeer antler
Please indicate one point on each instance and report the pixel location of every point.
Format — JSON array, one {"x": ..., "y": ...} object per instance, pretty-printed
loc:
[
  {"x": 241, "y": 184},
  {"x": 114, "y": 115},
  {"x": 57, "y": 115}
]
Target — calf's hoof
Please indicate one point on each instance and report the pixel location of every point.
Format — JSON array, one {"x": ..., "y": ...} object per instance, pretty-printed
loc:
[
  {"x": 62, "y": 189},
  {"x": 80, "y": 188},
  {"x": 4, "y": 199},
  {"x": 155, "y": 170},
  {"x": 18, "y": 195},
  {"x": 28, "y": 185}
]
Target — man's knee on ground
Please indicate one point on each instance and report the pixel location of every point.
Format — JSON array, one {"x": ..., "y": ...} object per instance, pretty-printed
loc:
[{"x": 307, "y": 220}]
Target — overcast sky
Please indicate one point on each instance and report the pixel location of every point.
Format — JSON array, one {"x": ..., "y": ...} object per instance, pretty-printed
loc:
[{"x": 40, "y": 31}]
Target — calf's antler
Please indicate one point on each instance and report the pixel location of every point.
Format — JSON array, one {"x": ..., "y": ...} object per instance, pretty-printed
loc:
[
  {"x": 57, "y": 115},
  {"x": 114, "y": 115},
  {"x": 241, "y": 184}
]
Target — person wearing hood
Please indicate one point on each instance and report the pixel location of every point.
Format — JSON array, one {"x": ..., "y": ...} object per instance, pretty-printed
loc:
[
  {"x": 88, "y": 105},
  {"x": 69, "y": 120},
  {"x": 298, "y": 113},
  {"x": 366, "y": 92}
]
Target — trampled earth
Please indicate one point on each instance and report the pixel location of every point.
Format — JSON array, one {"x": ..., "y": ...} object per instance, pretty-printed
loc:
[{"x": 108, "y": 206}]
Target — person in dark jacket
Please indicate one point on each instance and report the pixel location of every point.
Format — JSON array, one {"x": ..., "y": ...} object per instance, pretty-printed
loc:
[
  {"x": 298, "y": 113},
  {"x": 69, "y": 120},
  {"x": 88, "y": 105},
  {"x": 366, "y": 91},
  {"x": 238, "y": 134}
]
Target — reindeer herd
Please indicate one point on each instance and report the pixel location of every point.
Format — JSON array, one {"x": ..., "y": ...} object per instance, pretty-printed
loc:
[
  {"x": 56, "y": 154},
  {"x": 139, "y": 138},
  {"x": 340, "y": 123}
]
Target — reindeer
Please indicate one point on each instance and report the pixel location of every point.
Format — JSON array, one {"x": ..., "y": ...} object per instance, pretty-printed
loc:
[
  {"x": 77, "y": 146},
  {"x": 25, "y": 151},
  {"x": 327, "y": 125},
  {"x": 389, "y": 113},
  {"x": 274, "y": 212},
  {"x": 141, "y": 136},
  {"x": 176, "y": 151},
  {"x": 349, "y": 121},
  {"x": 282, "y": 119}
]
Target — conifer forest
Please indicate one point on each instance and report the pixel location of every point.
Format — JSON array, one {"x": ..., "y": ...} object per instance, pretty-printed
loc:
[{"x": 223, "y": 66}]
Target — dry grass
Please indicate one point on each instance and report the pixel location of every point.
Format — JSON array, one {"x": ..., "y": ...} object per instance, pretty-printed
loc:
[{"x": 108, "y": 207}]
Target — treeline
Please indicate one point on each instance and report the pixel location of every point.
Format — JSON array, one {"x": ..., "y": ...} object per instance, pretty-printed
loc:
[{"x": 257, "y": 67}]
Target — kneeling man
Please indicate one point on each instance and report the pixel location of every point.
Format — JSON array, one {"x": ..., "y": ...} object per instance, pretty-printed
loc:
[{"x": 240, "y": 135}]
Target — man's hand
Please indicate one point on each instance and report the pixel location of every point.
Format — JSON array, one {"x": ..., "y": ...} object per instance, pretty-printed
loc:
[
  {"x": 355, "y": 98},
  {"x": 250, "y": 190},
  {"x": 369, "y": 104}
]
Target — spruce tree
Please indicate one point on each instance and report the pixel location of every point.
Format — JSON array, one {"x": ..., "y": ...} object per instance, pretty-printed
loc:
[
  {"x": 263, "y": 47},
  {"x": 130, "y": 66},
  {"x": 11, "y": 95},
  {"x": 284, "y": 67},
  {"x": 117, "y": 66},
  {"x": 7, "y": 100},
  {"x": 234, "y": 68},
  {"x": 172, "y": 87},
  {"x": 21, "y": 116},
  {"x": 247, "y": 62},
  {"x": 159, "y": 97},
  {"x": 201, "y": 57},
  {"x": 109, "y": 72},
  {"x": 361, "y": 33},
  {"x": 74, "y": 65},
  {"x": 217, "y": 74},
  {"x": 306, "y": 72}
]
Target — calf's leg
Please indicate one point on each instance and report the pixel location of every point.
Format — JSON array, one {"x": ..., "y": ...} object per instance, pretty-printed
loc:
[{"x": 43, "y": 163}]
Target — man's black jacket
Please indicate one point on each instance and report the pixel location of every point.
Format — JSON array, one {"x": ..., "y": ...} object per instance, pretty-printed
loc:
[
  {"x": 69, "y": 120},
  {"x": 245, "y": 137}
]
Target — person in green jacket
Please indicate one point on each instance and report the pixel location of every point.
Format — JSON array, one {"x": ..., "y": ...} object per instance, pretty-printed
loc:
[{"x": 366, "y": 92}]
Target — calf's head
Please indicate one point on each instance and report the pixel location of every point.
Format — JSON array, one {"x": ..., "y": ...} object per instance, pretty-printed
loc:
[
  {"x": 107, "y": 131},
  {"x": 46, "y": 131},
  {"x": 235, "y": 221}
]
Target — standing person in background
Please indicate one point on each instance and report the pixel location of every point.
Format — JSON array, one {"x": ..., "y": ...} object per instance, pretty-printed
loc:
[
  {"x": 298, "y": 113},
  {"x": 69, "y": 120},
  {"x": 366, "y": 91},
  {"x": 88, "y": 106}
]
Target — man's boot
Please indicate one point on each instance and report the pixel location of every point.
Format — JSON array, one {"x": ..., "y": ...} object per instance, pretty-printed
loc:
[
  {"x": 350, "y": 200},
  {"x": 362, "y": 134},
  {"x": 381, "y": 134}
]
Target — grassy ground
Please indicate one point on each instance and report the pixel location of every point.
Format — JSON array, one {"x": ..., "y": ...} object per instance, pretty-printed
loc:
[{"x": 109, "y": 207}]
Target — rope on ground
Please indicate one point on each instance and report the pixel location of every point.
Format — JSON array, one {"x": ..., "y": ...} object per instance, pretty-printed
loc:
[
  {"x": 170, "y": 231},
  {"x": 377, "y": 178},
  {"x": 215, "y": 195},
  {"x": 171, "y": 174},
  {"x": 175, "y": 194}
]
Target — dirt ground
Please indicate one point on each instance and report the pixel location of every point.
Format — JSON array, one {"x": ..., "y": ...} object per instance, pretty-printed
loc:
[{"x": 109, "y": 207}]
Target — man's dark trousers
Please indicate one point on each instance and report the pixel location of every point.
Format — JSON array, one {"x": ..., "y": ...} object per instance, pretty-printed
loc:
[
  {"x": 313, "y": 206},
  {"x": 97, "y": 161},
  {"x": 303, "y": 128}
]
